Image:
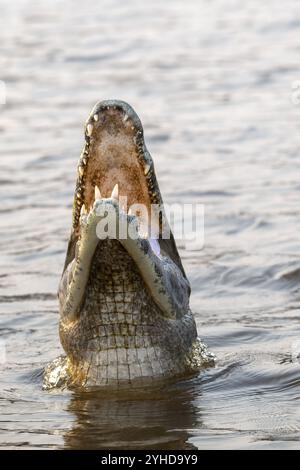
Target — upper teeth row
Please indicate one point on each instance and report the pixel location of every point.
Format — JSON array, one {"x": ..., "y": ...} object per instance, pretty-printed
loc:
[{"x": 90, "y": 127}]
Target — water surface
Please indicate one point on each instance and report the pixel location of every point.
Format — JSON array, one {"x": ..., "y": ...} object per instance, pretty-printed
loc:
[{"x": 211, "y": 81}]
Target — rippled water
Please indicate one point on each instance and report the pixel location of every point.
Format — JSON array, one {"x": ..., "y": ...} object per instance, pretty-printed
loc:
[{"x": 211, "y": 81}]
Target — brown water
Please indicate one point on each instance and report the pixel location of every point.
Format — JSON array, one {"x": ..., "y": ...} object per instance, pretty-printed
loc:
[{"x": 211, "y": 81}]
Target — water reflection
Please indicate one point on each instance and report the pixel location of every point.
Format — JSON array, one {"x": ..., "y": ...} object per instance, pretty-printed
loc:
[{"x": 160, "y": 419}]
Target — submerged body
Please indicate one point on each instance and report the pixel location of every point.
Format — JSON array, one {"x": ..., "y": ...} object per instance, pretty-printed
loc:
[{"x": 124, "y": 302}]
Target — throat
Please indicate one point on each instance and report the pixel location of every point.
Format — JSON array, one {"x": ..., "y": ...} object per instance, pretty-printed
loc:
[
  {"x": 116, "y": 294},
  {"x": 119, "y": 334}
]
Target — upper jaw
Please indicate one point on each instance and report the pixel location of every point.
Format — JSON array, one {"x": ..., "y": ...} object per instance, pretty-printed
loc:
[
  {"x": 103, "y": 116},
  {"x": 125, "y": 108}
]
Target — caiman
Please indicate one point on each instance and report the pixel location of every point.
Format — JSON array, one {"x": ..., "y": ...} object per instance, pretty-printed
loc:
[{"x": 125, "y": 318}]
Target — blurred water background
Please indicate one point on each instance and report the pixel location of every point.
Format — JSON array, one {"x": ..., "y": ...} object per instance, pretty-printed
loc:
[{"x": 215, "y": 84}]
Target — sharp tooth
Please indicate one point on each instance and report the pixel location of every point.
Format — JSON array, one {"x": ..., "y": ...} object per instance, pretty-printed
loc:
[
  {"x": 146, "y": 169},
  {"x": 125, "y": 117},
  {"x": 96, "y": 117},
  {"x": 97, "y": 193},
  {"x": 80, "y": 170},
  {"x": 89, "y": 129},
  {"x": 130, "y": 212},
  {"x": 83, "y": 210},
  {"x": 115, "y": 192}
]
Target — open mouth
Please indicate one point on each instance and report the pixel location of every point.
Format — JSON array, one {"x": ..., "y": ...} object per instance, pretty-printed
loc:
[
  {"x": 116, "y": 171},
  {"x": 114, "y": 160}
]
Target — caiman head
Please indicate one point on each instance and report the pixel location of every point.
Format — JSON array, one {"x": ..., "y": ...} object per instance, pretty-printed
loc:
[{"x": 124, "y": 296}]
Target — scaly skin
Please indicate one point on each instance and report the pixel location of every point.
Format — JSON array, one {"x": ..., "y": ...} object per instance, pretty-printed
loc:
[{"x": 125, "y": 319}]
